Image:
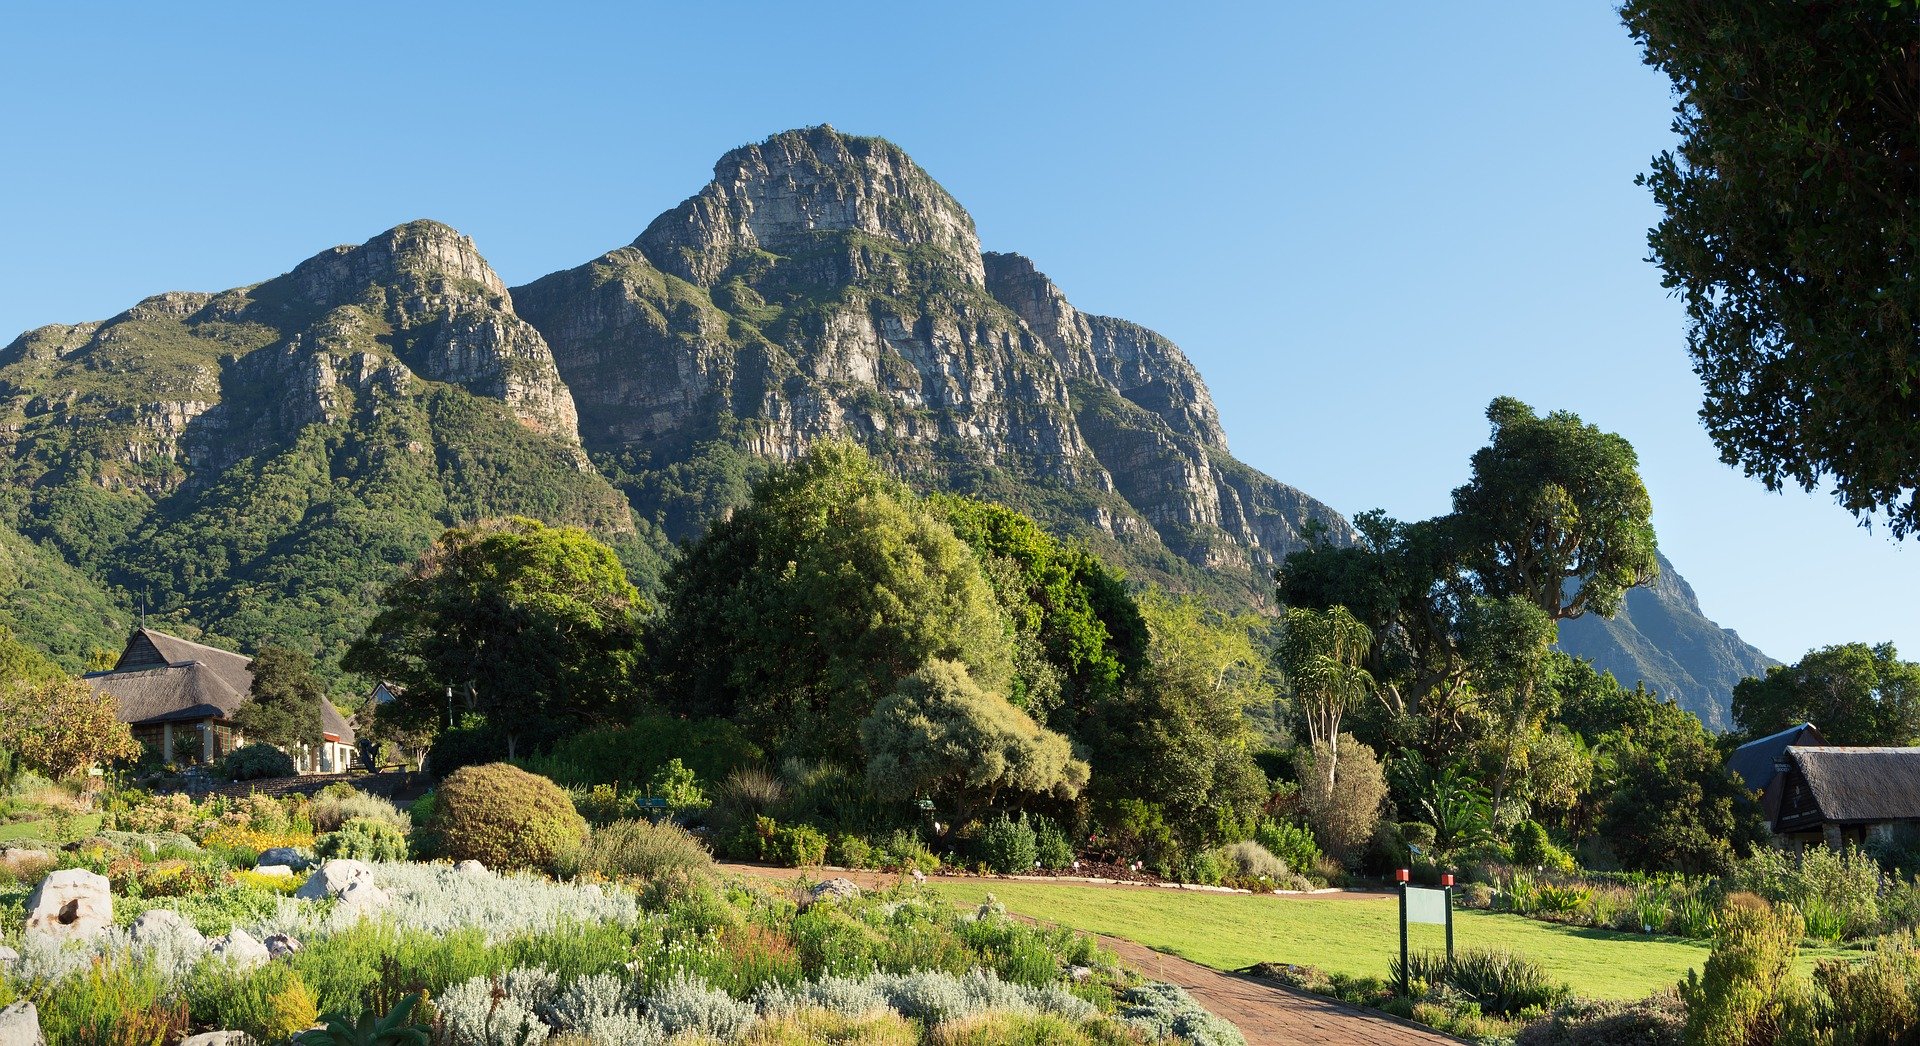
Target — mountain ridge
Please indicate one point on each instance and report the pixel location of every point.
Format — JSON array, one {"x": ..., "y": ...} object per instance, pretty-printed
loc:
[{"x": 221, "y": 447}]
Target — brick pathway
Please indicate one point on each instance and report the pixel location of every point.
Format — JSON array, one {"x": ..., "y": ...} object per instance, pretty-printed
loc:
[{"x": 1267, "y": 1014}]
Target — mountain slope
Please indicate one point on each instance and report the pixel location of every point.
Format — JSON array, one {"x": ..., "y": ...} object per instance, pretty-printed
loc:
[
  {"x": 263, "y": 460},
  {"x": 1661, "y": 638},
  {"x": 823, "y": 285}
]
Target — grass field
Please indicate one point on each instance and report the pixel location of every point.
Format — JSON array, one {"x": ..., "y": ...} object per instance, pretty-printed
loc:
[
  {"x": 1355, "y": 937},
  {"x": 81, "y": 825}
]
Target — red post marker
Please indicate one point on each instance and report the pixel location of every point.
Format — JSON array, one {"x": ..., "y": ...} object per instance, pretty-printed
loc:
[
  {"x": 1400, "y": 875},
  {"x": 1447, "y": 879}
]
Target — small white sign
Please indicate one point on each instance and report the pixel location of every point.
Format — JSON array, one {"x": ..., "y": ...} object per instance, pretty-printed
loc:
[{"x": 1426, "y": 905}]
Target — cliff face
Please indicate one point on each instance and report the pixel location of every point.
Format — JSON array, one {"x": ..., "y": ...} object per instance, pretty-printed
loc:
[
  {"x": 260, "y": 461},
  {"x": 822, "y": 285},
  {"x": 1661, "y": 638}
]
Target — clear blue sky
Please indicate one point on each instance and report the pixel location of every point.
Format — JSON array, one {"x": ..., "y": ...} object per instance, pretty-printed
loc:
[{"x": 1362, "y": 224}]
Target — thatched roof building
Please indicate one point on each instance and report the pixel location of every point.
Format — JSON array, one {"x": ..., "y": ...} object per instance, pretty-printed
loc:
[{"x": 1840, "y": 795}]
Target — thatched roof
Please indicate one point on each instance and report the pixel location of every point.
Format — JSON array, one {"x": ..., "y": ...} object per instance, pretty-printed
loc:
[
  {"x": 1861, "y": 785},
  {"x": 1754, "y": 761},
  {"x": 162, "y": 678}
]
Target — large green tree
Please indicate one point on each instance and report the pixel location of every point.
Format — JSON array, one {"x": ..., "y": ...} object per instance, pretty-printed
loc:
[
  {"x": 285, "y": 707},
  {"x": 1792, "y": 233},
  {"x": 799, "y": 611},
  {"x": 1321, "y": 652},
  {"x": 1856, "y": 694},
  {"x": 1508, "y": 643},
  {"x": 534, "y": 627}
]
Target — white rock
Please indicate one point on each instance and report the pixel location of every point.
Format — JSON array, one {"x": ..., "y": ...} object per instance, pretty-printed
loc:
[
  {"x": 72, "y": 902},
  {"x": 835, "y": 889},
  {"x": 162, "y": 924},
  {"x": 8, "y": 957},
  {"x": 277, "y": 871},
  {"x": 218, "y": 1038},
  {"x": 362, "y": 895},
  {"x": 470, "y": 867},
  {"x": 20, "y": 1025},
  {"x": 239, "y": 948},
  {"x": 333, "y": 878}
]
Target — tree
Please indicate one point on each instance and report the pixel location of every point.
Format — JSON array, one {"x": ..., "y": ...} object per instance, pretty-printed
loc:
[
  {"x": 810, "y": 603},
  {"x": 62, "y": 726},
  {"x": 939, "y": 735},
  {"x": 1321, "y": 651},
  {"x": 1555, "y": 513},
  {"x": 1790, "y": 232},
  {"x": 533, "y": 626},
  {"x": 1855, "y": 694},
  {"x": 1508, "y": 642},
  {"x": 284, "y": 710},
  {"x": 1177, "y": 735},
  {"x": 1342, "y": 796}
]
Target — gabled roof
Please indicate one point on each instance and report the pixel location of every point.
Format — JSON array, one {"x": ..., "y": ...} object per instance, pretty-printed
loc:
[
  {"x": 162, "y": 678},
  {"x": 334, "y": 725},
  {"x": 1754, "y": 761},
  {"x": 1854, "y": 785}
]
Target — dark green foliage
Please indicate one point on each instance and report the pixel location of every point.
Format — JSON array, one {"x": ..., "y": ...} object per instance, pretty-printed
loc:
[
  {"x": 533, "y": 626},
  {"x": 1006, "y": 846},
  {"x": 1052, "y": 846},
  {"x": 1290, "y": 842},
  {"x": 795, "y": 615},
  {"x": 631, "y": 753},
  {"x": 471, "y": 744},
  {"x": 1855, "y": 694},
  {"x": 1501, "y": 982},
  {"x": 370, "y": 1029},
  {"x": 1791, "y": 232},
  {"x": 284, "y": 708},
  {"x": 796, "y": 846},
  {"x": 256, "y": 761}
]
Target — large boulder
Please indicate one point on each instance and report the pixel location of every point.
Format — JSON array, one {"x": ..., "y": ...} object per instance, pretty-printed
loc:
[
  {"x": 20, "y": 1025},
  {"x": 240, "y": 948},
  {"x": 72, "y": 902},
  {"x": 333, "y": 878},
  {"x": 470, "y": 867},
  {"x": 273, "y": 871},
  {"x": 835, "y": 889},
  {"x": 218, "y": 1038},
  {"x": 298, "y": 860}
]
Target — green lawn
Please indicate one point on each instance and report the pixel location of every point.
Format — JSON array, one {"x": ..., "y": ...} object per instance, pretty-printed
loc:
[
  {"x": 82, "y": 825},
  {"x": 1355, "y": 937}
]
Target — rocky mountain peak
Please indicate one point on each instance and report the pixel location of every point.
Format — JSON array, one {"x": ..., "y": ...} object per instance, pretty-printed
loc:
[
  {"x": 421, "y": 257},
  {"x": 786, "y": 192}
]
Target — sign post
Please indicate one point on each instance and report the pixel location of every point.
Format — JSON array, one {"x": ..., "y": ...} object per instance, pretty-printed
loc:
[{"x": 1423, "y": 904}]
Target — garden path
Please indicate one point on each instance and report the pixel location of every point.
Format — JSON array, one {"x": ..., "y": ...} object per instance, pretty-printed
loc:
[{"x": 1267, "y": 1014}]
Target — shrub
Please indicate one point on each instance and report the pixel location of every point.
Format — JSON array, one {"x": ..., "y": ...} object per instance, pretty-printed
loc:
[
  {"x": 1007, "y": 846},
  {"x": 1166, "y": 1011},
  {"x": 1742, "y": 995},
  {"x": 601, "y": 804},
  {"x": 330, "y": 812},
  {"x": 1659, "y": 1020},
  {"x": 712, "y": 748},
  {"x": 904, "y": 851},
  {"x": 1289, "y": 842},
  {"x": 797, "y": 846},
  {"x": 1829, "y": 887},
  {"x": 270, "y": 1003},
  {"x": 1503, "y": 982},
  {"x": 747, "y": 794},
  {"x": 1343, "y": 807},
  {"x": 256, "y": 761},
  {"x": 656, "y": 853},
  {"x": 1249, "y": 860},
  {"x": 504, "y": 817},
  {"x": 850, "y": 851},
  {"x": 676, "y": 783},
  {"x": 363, "y": 839},
  {"x": 1875, "y": 1001},
  {"x": 1051, "y": 846}
]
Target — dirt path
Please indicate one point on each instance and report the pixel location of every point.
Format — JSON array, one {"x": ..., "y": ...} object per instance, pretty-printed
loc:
[{"x": 1267, "y": 1014}]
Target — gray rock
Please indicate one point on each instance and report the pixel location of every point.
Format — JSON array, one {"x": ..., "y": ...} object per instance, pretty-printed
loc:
[
  {"x": 8, "y": 957},
  {"x": 333, "y": 878},
  {"x": 218, "y": 1038},
  {"x": 278, "y": 871},
  {"x": 919, "y": 876},
  {"x": 470, "y": 868},
  {"x": 361, "y": 895},
  {"x": 20, "y": 1026},
  {"x": 14, "y": 855},
  {"x": 280, "y": 944},
  {"x": 1079, "y": 973},
  {"x": 239, "y": 948},
  {"x": 164, "y": 925},
  {"x": 835, "y": 889},
  {"x": 70, "y": 903},
  {"x": 287, "y": 855}
]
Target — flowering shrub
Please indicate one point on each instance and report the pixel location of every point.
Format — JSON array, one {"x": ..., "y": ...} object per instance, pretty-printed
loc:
[{"x": 239, "y": 837}]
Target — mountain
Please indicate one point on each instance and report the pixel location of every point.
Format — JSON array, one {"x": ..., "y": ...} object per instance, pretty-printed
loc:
[
  {"x": 257, "y": 463},
  {"x": 823, "y": 285},
  {"x": 1661, "y": 638}
]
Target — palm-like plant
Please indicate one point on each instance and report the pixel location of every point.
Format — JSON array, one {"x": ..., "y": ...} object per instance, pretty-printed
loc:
[{"x": 395, "y": 1029}]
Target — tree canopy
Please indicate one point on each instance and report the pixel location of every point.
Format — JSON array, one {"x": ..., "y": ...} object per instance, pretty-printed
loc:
[
  {"x": 533, "y": 626},
  {"x": 284, "y": 709},
  {"x": 61, "y": 726},
  {"x": 1854, "y": 693},
  {"x": 1790, "y": 231}
]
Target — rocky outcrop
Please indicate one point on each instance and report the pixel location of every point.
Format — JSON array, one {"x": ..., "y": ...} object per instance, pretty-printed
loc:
[
  {"x": 70, "y": 903},
  {"x": 823, "y": 285}
]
